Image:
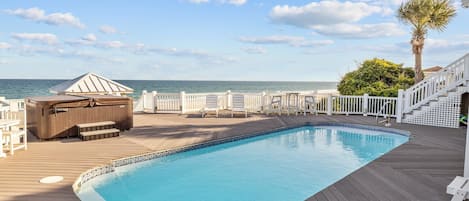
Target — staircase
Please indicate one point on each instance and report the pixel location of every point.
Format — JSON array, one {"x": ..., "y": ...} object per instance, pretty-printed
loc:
[
  {"x": 436, "y": 100},
  {"x": 98, "y": 130}
]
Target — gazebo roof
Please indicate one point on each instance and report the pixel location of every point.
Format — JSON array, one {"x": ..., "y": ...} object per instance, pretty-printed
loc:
[{"x": 90, "y": 83}]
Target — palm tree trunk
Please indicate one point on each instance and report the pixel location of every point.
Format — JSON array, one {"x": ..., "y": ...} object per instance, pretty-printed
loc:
[
  {"x": 418, "y": 67},
  {"x": 417, "y": 47}
]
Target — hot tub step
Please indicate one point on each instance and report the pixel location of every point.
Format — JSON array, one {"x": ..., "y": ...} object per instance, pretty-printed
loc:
[
  {"x": 99, "y": 134},
  {"x": 95, "y": 126}
]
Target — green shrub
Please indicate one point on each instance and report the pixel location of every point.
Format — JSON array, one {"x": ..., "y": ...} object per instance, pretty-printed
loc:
[{"x": 377, "y": 77}]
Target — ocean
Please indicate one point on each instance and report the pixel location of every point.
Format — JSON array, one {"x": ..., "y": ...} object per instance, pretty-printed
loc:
[{"x": 21, "y": 88}]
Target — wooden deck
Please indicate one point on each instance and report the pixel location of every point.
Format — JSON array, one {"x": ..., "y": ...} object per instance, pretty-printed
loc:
[{"x": 417, "y": 170}]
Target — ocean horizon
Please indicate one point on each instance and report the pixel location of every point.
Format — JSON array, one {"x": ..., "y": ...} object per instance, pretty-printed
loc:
[{"x": 21, "y": 88}]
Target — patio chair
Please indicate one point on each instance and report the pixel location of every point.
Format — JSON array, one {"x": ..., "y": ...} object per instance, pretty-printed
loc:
[
  {"x": 13, "y": 137},
  {"x": 15, "y": 140},
  {"x": 310, "y": 105},
  {"x": 459, "y": 188},
  {"x": 211, "y": 105},
  {"x": 238, "y": 105},
  {"x": 275, "y": 105}
]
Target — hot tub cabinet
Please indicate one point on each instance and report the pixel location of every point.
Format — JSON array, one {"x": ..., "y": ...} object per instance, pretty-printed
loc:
[{"x": 57, "y": 116}]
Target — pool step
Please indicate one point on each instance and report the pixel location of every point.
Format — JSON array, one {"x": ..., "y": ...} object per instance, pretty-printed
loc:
[{"x": 99, "y": 134}]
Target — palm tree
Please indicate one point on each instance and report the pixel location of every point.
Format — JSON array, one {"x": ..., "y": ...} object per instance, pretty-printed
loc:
[{"x": 424, "y": 15}]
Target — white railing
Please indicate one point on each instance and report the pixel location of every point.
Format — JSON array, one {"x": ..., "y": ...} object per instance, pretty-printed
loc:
[
  {"x": 256, "y": 102},
  {"x": 382, "y": 106},
  {"x": 437, "y": 84},
  {"x": 347, "y": 105},
  {"x": 167, "y": 102},
  {"x": 14, "y": 105}
]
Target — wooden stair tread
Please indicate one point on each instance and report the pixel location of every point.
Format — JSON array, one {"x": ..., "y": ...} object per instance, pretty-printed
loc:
[
  {"x": 99, "y": 132},
  {"x": 103, "y": 123}
]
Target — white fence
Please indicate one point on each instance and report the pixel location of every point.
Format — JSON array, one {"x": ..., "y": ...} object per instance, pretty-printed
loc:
[{"x": 257, "y": 102}]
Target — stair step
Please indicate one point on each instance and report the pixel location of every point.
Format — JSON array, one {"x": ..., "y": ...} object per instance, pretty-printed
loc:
[
  {"x": 95, "y": 124},
  {"x": 99, "y": 134}
]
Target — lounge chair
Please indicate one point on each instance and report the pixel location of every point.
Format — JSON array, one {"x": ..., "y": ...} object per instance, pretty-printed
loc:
[
  {"x": 310, "y": 105},
  {"x": 211, "y": 105},
  {"x": 238, "y": 105},
  {"x": 275, "y": 105},
  {"x": 459, "y": 188}
]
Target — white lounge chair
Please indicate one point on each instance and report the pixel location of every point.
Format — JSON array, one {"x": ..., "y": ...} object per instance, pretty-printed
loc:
[
  {"x": 238, "y": 105},
  {"x": 275, "y": 105},
  {"x": 459, "y": 188},
  {"x": 310, "y": 105},
  {"x": 211, "y": 105}
]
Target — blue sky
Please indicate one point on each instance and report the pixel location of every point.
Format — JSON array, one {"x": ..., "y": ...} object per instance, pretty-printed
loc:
[{"x": 212, "y": 39}]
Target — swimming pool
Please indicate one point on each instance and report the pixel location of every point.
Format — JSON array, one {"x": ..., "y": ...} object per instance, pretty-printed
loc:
[{"x": 287, "y": 165}]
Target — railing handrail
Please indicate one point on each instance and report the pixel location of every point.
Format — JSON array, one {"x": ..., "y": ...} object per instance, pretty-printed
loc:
[{"x": 436, "y": 84}]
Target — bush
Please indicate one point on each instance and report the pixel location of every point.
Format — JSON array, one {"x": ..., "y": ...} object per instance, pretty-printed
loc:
[{"x": 377, "y": 77}]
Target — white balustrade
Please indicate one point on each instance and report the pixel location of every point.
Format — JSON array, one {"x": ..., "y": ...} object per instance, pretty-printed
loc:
[
  {"x": 437, "y": 84},
  {"x": 256, "y": 102}
]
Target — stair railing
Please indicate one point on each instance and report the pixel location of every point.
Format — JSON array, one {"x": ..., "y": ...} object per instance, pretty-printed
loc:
[{"x": 437, "y": 84}]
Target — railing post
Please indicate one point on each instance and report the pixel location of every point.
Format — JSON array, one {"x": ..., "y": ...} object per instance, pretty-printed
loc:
[
  {"x": 153, "y": 104},
  {"x": 329, "y": 104},
  {"x": 263, "y": 97},
  {"x": 466, "y": 68},
  {"x": 466, "y": 155},
  {"x": 25, "y": 124},
  {"x": 406, "y": 101},
  {"x": 183, "y": 102},
  {"x": 400, "y": 105},
  {"x": 365, "y": 105},
  {"x": 228, "y": 99},
  {"x": 144, "y": 99}
]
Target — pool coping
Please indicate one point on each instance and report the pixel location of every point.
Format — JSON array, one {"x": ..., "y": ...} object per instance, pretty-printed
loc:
[{"x": 110, "y": 167}]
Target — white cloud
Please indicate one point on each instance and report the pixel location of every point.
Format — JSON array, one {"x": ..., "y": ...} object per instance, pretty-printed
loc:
[
  {"x": 3, "y": 61},
  {"x": 91, "y": 57},
  {"x": 322, "y": 13},
  {"x": 111, "y": 44},
  {"x": 4, "y": 45},
  {"x": 339, "y": 19},
  {"x": 89, "y": 37},
  {"x": 39, "y": 15},
  {"x": 442, "y": 45},
  {"x": 233, "y": 2},
  {"x": 107, "y": 29},
  {"x": 201, "y": 55},
  {"x": 46, "y": 38},
  {"x": 360, "y": 30},
  {"x": 294, "y": 41},
  {"x": 29, "y": 50},
  {"x": 199, "y": 1},
  {"x": 254, "y": 50},
  {"x": 432, "y": 46}
]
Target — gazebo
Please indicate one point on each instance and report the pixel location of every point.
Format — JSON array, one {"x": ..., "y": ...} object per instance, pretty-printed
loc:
[{"x": 91, "y": 83}]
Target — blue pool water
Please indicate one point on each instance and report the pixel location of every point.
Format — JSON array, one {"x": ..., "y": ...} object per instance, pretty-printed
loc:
[{"x": 290, "y": 165}]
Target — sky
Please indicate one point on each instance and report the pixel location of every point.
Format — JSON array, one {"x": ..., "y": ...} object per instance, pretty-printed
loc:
[{"x": 277, "y": 40}]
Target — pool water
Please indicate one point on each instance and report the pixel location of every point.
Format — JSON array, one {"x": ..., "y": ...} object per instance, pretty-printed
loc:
[{"x": 289, "y": 165}]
